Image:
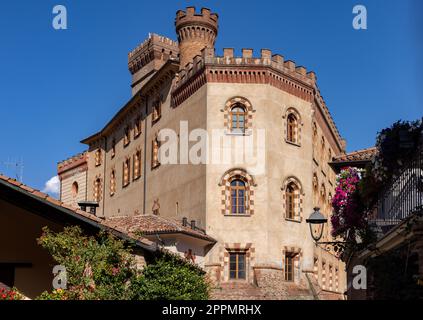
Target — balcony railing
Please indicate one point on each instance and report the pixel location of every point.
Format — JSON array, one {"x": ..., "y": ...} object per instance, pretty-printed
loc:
[{"x": 403, "y": 197}]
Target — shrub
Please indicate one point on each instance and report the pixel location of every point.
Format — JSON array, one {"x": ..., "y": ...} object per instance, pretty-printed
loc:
[
  {"x": 170, "y": 278},
  {"x": 10, "y": 294},
  {"x": 97, "y": 268},
  {"x": 103, "y": 268}
]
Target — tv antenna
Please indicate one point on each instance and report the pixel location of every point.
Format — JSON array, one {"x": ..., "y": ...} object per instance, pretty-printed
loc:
[{"x": 18, "y": 166}]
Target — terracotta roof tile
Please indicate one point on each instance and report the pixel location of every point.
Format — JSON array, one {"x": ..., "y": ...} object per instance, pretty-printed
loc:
[
  {"x": 150, "y": 224},
  {"x": 129, "y": 226},
  {"x": 360, "y": 155},
  {"x": 54, "y": 201},
  {"x": 39, "y": 194},
  {"x": 14, "y": 182},
  {"x": 26, "y": 188}
]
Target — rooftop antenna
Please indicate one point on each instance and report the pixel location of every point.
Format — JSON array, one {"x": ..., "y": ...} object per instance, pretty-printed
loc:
[{"x": 18, "y": 165}]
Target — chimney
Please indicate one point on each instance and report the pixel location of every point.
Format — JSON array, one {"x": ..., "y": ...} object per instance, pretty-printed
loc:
[
  {"x": 89, "y": 204},
  {"x": 193, "y": 227},
  {"x": 184, "y": 222}
]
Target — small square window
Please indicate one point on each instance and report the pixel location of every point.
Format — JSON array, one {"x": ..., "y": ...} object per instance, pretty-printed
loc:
[
  {"x": 289, "y": 266},
  {"x": 237, "y": 266}
]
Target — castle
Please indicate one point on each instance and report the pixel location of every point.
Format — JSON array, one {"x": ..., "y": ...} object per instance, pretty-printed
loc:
[{"x": 247, "y": 219}]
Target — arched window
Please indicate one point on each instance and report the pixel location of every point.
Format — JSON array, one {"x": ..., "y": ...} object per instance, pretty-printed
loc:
[
  {"x": 237, "y": 193},
  {"x": 292, "y": 128},
  {"x": 112, "y": 182},
  {"x": 238, "y": 197},
  {"x": 97, "y": 190},
  {"x": 137, "y": 165},
  {"x": 155, "y": 161},
  {"x": 238, "y": 118},
  {"x": 292, "y": 193},
  {"x": 126, "y": 173},
  {"x": 75, "y": 189},
  {"x": 291, "y": 205}
]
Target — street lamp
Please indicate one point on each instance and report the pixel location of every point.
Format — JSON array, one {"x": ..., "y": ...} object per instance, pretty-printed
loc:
[{"x": 317, "y": 223}]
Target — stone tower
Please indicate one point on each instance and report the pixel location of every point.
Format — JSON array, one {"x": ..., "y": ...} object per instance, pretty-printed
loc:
[{"x": 195, "y": 32}]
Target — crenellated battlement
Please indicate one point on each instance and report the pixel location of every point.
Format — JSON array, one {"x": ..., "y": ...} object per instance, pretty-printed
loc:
[
  {"x": 72, "y": 163},
  {"x": 149, "y": 57},
  {"x": 196, "y": 31},
  {"x": 154, "y": 47},
  {"x": 247, "y": 59},
  {"x": 189, "y": 18},
  {"x": 269, "y": 68}
]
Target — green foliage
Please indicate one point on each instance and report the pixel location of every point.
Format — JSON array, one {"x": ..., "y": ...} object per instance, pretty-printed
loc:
[
  {"x": 395, "y": 146},
  {"x": 170, "y": 278},
  {"x": 55, "y": 295},
  {"x": 97, "y": 268},
  {"x": 103, "y": 268}
]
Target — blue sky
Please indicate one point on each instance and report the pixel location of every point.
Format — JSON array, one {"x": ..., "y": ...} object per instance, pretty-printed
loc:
[{"x": 58, "y": 87}]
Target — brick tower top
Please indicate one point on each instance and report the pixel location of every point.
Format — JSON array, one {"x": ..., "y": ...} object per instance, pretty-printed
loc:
[{"x": 196, "y": 31}]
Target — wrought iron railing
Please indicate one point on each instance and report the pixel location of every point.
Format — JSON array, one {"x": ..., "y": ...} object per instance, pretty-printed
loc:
[{"x": 404, "y": 196}]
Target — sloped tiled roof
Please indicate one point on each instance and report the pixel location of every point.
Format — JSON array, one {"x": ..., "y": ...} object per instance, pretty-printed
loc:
[
  {"x": 357, "y": 156},
  {"x": 75, "y": 212},
  {"x": 129, "y": 226},
  {"x": 151, "y": 224}
]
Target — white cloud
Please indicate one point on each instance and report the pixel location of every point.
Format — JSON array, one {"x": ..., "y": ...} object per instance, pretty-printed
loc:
[{"x": 52, "y": 186}]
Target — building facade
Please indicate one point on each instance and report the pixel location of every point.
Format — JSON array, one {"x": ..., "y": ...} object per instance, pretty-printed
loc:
[{"x": 253, "y": 181}]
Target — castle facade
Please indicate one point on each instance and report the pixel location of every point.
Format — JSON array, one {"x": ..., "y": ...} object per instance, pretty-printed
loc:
[{"x": 269, "y": 141}]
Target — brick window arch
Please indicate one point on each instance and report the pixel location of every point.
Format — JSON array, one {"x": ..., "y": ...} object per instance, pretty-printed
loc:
[
  {"x": 237, "y": 193},
  {"x": 292, "y": 127},
  {"x": 292, "y": 199},
  {"x": 238, "y": 115}
]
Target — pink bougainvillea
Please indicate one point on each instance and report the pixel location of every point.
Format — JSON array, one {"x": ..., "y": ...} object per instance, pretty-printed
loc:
[{"x": 347, "y": 208}]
